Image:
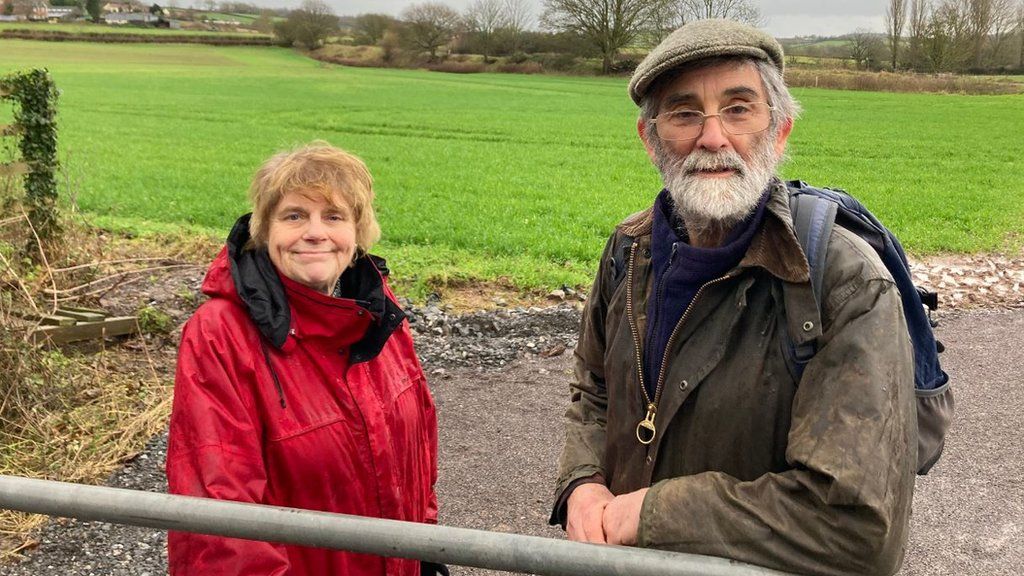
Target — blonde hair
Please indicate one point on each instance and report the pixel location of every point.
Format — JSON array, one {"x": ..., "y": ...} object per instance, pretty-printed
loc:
[{"x": 319, "y": 169}]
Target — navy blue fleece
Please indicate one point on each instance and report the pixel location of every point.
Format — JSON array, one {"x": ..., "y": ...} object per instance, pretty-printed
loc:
[{"x": 680, "y": 270}]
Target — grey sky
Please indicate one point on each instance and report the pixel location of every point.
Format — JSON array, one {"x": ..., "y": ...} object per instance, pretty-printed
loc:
[{"x": 785, "y": 17}]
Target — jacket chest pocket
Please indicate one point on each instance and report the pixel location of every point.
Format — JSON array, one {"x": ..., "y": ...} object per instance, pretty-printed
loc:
[
  {"x": 388, "y": 381},
  {"x": 303, "y": 392}
]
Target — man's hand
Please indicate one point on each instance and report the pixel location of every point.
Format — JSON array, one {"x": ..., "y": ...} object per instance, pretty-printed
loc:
[
  {"x": 584, "y": 512},
  {"x": 622, "y": 518}
]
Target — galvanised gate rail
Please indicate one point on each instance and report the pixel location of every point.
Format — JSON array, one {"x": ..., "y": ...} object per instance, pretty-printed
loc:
[{"x": 444, "y": 544}]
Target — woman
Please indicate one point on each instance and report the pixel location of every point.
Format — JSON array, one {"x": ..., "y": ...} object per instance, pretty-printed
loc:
[{"x": 297, "y": 384}]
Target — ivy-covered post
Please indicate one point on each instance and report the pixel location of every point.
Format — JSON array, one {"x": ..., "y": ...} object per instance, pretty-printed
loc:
[{"x": 35, "y": 114}]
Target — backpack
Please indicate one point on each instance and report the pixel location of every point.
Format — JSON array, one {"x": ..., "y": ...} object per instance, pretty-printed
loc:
[{"x": 815, "y": 212}]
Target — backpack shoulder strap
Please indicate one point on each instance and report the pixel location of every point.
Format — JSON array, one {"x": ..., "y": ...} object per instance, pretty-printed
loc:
[
  {"x": 813, "y": 219},
  {"x": 814, "y": 216}
]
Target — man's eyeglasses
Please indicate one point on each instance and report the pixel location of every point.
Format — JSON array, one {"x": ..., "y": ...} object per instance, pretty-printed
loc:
[{"x": 737, "y": 119}]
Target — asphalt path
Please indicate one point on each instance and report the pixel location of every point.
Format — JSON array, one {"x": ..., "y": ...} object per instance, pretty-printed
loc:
[
  {"x": 969, "y": 510},
  {"x": 501, "y": 436}
]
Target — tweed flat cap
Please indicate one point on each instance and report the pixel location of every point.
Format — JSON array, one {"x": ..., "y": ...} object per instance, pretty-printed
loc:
[{"x": 703, "y": 39}]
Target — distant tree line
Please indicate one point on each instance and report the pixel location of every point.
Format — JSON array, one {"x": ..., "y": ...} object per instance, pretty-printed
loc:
[
  {"x": 921, "y": 35},
  {"x": 954, "y": 35},
  {"x": 569, "y": 28}
]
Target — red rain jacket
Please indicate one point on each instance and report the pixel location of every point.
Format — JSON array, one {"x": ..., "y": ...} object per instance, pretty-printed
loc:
[{"x": 321, "y": 421}]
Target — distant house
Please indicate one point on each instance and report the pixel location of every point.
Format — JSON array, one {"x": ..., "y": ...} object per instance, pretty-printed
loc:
[
  {"x": 58, "y": 13},
  {"x": 117, "y": 7},
  {"x": 155, "y": 16},
  {"x": 28, "y": 9},
  {"x": 131, "y": 18}
]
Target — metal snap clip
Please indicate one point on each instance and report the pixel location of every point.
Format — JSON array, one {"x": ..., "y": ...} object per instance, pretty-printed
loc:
[
  {"x": 684, "y": 385},
  {"x": 808, "y": 326}
]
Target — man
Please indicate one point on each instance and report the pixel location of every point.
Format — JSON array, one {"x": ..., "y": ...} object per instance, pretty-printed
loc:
[{"x": 687, "y": 429}]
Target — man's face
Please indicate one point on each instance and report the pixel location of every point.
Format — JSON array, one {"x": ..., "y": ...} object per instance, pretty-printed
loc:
[{"x": 716, "y": 177}]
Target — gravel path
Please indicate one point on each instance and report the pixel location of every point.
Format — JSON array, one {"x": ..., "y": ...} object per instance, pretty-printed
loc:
[{"x": 501, "y": 387}]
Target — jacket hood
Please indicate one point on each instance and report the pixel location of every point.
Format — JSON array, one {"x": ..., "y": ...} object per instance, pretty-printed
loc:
[{"x": 363, "y": 317}]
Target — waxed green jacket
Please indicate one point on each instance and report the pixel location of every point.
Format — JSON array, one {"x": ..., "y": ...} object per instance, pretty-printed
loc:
[{"x": 743, "y": 461}]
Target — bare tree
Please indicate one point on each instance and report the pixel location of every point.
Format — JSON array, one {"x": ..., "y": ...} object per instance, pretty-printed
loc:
[
  {"x": 917, "y": 29},
  {"x": 608, "y": 25},
  {"x": 741, "y": 10},
  {"x": 264, "y": 22},
  {"x": 369, "y": 29},
  {"x": 1004, "y": 23},
  {"x": 895, "y": 20},
  {"x": 991, "y": 22},
  {"x": 429, "y": 26},
  {"x": 518, "y": 18},
  {"x": 865, "y": 47},
  {"x": 1020, "y": 33},
  {"x": 389, "y": 46},
  {"x": 979, "y": 18},
  {"x": 483, "y": 18},
  {"x": 309, "y": 25},
  {"x": 947, "y": 43}
]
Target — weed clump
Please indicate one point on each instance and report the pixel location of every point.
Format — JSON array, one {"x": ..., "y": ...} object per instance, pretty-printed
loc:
[{"x": 152, "y": 320}]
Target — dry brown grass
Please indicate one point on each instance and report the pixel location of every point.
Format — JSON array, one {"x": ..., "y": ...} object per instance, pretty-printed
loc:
[
  {"x": 520, "y": 68},
  {"x": 816, "y": 73},
  {"x": 374, "y": 57},
  {"x": 76, "y": 413},
  {"x": 454, "y": 67},
  {"x": 901, "y": 82}
]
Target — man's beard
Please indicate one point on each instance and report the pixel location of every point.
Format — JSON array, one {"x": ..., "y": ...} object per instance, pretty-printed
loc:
[{"x": 716, "y": 202}]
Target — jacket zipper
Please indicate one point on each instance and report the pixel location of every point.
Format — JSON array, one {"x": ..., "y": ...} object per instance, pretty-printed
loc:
[{"x": 647, "y": 425}]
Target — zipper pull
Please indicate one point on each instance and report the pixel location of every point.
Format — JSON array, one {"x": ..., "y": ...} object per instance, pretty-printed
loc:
[
  {"x": 672, "y": 256},
  {"x": 645, "y": 430}
]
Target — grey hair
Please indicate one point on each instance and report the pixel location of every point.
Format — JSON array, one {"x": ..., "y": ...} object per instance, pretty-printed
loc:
[{"x": 784, "y": 105}]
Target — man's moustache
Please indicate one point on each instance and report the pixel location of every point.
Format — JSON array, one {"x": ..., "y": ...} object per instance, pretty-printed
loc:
[{"x": 713, "y": 162}]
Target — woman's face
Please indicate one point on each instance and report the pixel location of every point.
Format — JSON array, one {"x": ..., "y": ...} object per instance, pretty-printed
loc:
[{"x": 310, "y": 240}]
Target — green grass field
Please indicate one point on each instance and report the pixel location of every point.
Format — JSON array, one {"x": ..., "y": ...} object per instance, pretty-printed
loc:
[
  {"x": 489, "y": 176},
  {"x": 90, "y": 28}
]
